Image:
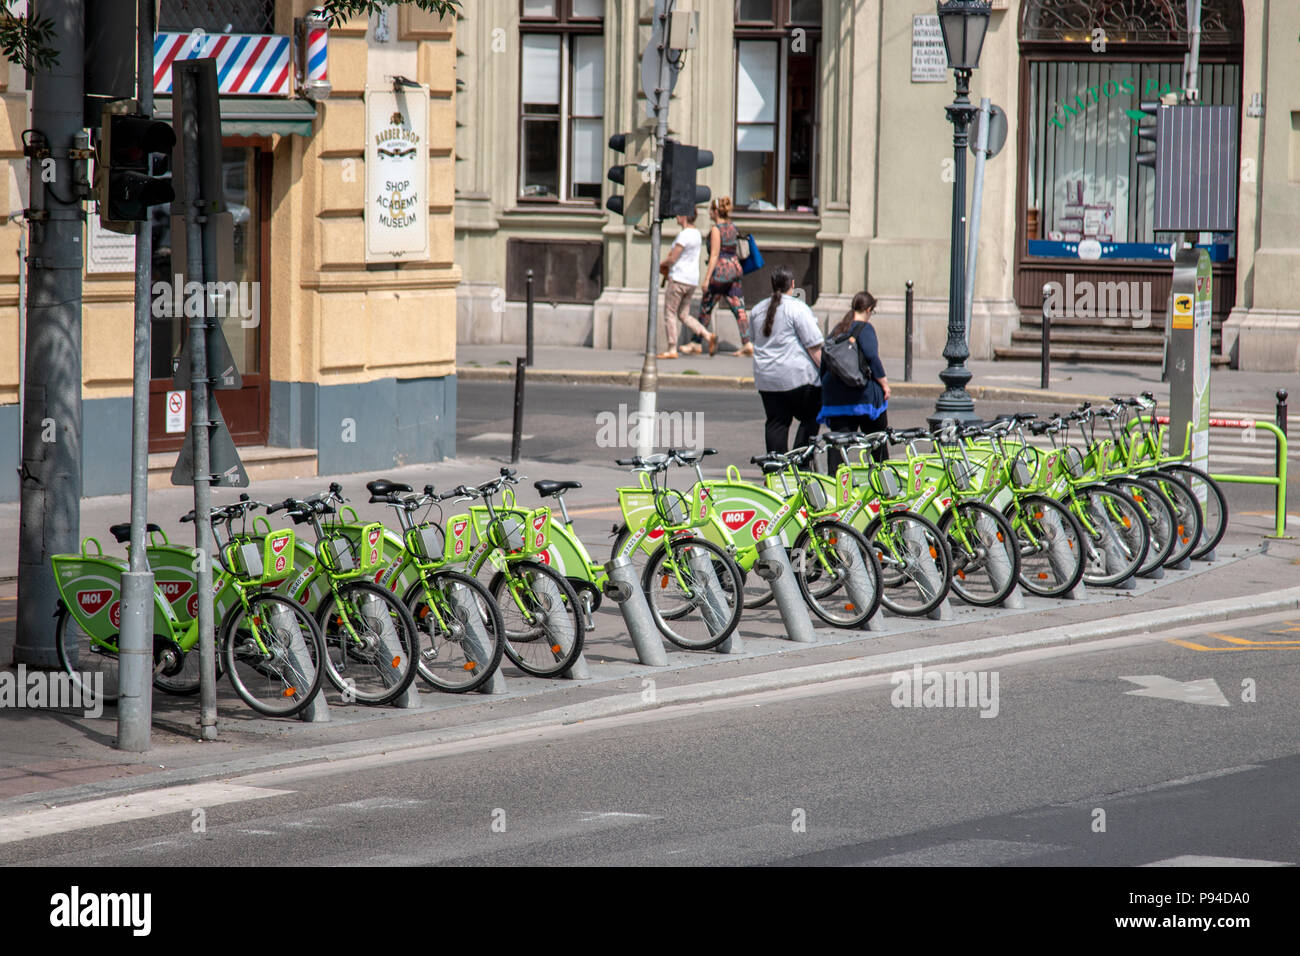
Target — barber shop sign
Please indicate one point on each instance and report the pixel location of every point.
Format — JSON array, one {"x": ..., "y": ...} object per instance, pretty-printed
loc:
[{"x": 397, "y": 174}]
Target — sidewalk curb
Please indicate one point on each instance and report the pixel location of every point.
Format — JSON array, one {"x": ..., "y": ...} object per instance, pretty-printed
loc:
[
  {"x": 679, "y": 380},
  {"x": 632, "y": 702}
]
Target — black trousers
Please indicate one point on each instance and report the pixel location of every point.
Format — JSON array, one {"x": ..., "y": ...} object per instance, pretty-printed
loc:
[
  {"x": 781, "y": 408},
  {"x": 856, "y": 423}
]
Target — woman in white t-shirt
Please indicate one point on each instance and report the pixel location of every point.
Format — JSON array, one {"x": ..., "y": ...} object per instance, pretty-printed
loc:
[
  {"x": 787, "y": 363},
  {"x": 681, "y": 269}
]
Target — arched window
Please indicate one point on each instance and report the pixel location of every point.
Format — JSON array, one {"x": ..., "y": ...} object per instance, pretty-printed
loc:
[{"x": 1087, "y": 66}]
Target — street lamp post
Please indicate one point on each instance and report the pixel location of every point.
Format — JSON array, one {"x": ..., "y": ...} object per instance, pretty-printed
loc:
[{"x": 963, "y": 23}]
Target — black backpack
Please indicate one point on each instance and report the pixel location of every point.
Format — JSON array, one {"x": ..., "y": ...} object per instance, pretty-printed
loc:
[{"x": 844, "y": 357}]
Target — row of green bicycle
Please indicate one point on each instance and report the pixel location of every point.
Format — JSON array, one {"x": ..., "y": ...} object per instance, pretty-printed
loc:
[{"x": 370, "y": 607}]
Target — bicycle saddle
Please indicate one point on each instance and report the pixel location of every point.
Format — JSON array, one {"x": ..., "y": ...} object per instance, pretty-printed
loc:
[
  {"x": 382, "y": 486},
  {"x": 546, "y": 488},
  {"x": 122, "y": 532}
]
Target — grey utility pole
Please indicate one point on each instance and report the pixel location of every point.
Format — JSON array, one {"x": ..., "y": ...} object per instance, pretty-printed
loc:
[
  {"x": 135, "y": 643},
  {"x": 50, "y": 474},
  {"x": 649, "y": 386}
]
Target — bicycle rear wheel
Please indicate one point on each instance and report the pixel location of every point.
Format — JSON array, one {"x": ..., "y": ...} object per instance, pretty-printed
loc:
[
  {"x": 985, "y": 557},
  {"x": 1213, "y": 506},
  {"x": 1116, "y": 535},
  {"x": 91, "y": 664},
  {"x": 1159, "y": 516},
  {"x": 372, "y": 642},
  {"x": 846, "y": 590},
  {"x": 691, "y": 575},
  {"x": 462, "y": 653},
  {"x": 1051, "y": 545},
  {"x": 283, "y": 675},
  {"x": 915, "y": 562},
  {"x": 542, "y": 618}
]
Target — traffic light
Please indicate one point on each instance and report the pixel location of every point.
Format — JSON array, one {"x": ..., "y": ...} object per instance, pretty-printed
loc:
[
  {"x": 1146, "y": 135},
  {"x": 634, "y": 204},
  {"x": 678, "y": 193},
  {"x": 125, "y": 185}
]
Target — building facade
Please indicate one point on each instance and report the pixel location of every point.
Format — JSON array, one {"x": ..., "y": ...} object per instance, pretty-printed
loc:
[
  {"x": 345, "y": 344},
  {"x": 826, "y": 119}
]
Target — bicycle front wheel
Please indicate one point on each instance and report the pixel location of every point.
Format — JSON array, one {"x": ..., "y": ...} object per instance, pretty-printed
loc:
[
  {"x": 1214, "y": 506},
  {"x": 693, "y": 575},
  {"x": 1117, "y": 535},
  {"x": 1159, "y": 516},
  {"x": 915, "y": 562},
  {"x": 91, "y": 664},
  {"x": 274, "y": 654},
  {"x": 1051, "y": 545},
  {"x": 1186, "y": 514},
  {"x": 542, "y": 618},
  {"x": 462, "y": 634},
  {"x": 371, "y": 642},
  {"x": 838, "y": 573},
  {"x": 985, "y": 556}
]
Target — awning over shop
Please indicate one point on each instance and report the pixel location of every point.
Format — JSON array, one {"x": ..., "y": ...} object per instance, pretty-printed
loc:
[{"x": 249, "y": 116}]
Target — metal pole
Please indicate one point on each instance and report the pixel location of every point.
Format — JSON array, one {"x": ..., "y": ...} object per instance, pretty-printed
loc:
[
  {"x": 516, "y": 434},
  {"x": 955, "y": 402},
  {"x": 649, "y": 385},
  {"x": 1191, "y": 66},
  {"x": 192, "y": 205},
  {"x": 50, "y": 473},
  {"x": 22, "y": 323},
  {"x": 774, "y": 567},
  {"x": 1045, "y": 359},
  {"x": 528, "y": 321},
  {"x": 135, "y": 643},
  {"x": 907, "y": 334},
  {"x": 977, "y": 199},
  {"x": 1280, "y": 420}
]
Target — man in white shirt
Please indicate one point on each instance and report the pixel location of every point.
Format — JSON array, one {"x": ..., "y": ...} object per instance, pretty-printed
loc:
[{"x": 682, "y": 270}]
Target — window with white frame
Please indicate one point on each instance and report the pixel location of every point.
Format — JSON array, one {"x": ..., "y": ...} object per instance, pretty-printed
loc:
[
  {"x": 561, "y": 100},
  {"x": 776, "y": 104}
]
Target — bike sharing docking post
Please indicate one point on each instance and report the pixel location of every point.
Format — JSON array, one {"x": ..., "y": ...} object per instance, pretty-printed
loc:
[
  {"x": 1060, "y": 555},
  {"x": 376, "y": 614},
  {"x": 283, "y": 620},
  {"x": 559, "y": 628},
  {"x": 999, "y": 566},
  {"x": 775, "y": 568},
  {"x": 713, "y": 602},
  {"x": 467, "y": 615},
  {"x": 624, "y": 587},
  {"x": 1189, "y": 362}
]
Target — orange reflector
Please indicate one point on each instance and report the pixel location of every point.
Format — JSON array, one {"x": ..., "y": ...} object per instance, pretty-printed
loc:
[
  {"x": 1039, "y": 516},
  {"x": 257, "y": 621},
  {"x": 424, "y": 611},
  {"x": 397, "y": 662},
  {"x": 962, "y": 575},
  {"x": 934, "y": 553},
  {"x": 663, "y": 582},
  {"x": 850, "y": 607},
  {"x": 289, "y": 692},
  {"x": 1000, "y": 536},
  {"x": 1042, "y": 575},
  {"x": 555, "y": 648},
  {"x": 1128, "y": 522},
  {"x": 468, "y": 666}
]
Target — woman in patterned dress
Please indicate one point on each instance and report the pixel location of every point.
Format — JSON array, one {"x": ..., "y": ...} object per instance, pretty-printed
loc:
[{"x": 722, "y": 282}]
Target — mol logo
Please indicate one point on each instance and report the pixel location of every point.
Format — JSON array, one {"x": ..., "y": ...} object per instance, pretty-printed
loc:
[
  {"x": 279, "y": 544},
  {"x": 735, "y": 520},
  {"x": 173, "y": 591},
  {"x": 93, "y": 601},
  {"x": 759, "y": 528}
]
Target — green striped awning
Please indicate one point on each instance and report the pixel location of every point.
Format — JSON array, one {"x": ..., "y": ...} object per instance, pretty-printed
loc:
[{"x": 255, "y": 116}]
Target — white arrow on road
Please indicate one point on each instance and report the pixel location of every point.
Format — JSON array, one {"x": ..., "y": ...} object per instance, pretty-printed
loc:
[{"x": 1190, "y": 692}]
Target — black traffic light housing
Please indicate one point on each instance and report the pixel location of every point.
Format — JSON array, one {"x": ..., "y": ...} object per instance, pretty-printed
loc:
[
  {"x": 1146, "y": 134},
  {"x": 634, "y": 204},
  {"x": 678, "y": 192},
  {"x": 125, "y": 185}
]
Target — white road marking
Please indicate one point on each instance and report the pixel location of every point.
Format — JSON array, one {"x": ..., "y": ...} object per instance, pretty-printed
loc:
[
  {"x": 495, "y": 436},
  {"x": 1190, "y": 692},
  {"x": 1214, "y": 861},
  {"x": 133, "y": 806}
]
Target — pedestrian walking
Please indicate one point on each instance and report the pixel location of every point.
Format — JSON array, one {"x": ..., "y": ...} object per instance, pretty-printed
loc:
[
  {"x": 723, "y": 279},
  {"x": 787, "y": 362},
  {"x": 682, "y": 270},
  {"x": 844, "y": 407}
]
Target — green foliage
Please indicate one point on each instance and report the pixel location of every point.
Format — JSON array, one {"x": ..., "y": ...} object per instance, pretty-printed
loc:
[
  {"x": 340, "y": 11},
  {"x": 26, "y": 41}
]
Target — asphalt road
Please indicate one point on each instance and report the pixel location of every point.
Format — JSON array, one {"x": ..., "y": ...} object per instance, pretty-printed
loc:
[
  {"x": 567, "y": 424},
  {"x": 1071, "y": 767}
]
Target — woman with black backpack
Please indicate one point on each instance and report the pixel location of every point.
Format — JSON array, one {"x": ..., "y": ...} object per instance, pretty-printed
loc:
[{"x": 846, "y": 406}]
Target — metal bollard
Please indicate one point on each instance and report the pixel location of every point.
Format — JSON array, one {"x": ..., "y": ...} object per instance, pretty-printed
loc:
[
  {"x": 1000, "y": 567},
  {"x": 1046, "y": 358},
  {"x": 376, "y": 615},
  {"x": 774, "y": 567},
  {"x": 1061, "y": 556},
  {"x": 907, "y": 334},
  {"x": 1280, "y": 421},
  {"x": 559, "y": 628},
  {"x": 465, "y": 604},
  {"x": 624, "y": 587},
  {"x": 283, "y": 621},
  {"x": 712, "y": 605},
  {"x": 517, "y": 431},
  {"x": 528, "y": 323},
  {"x": 1111, "y": 547}
]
